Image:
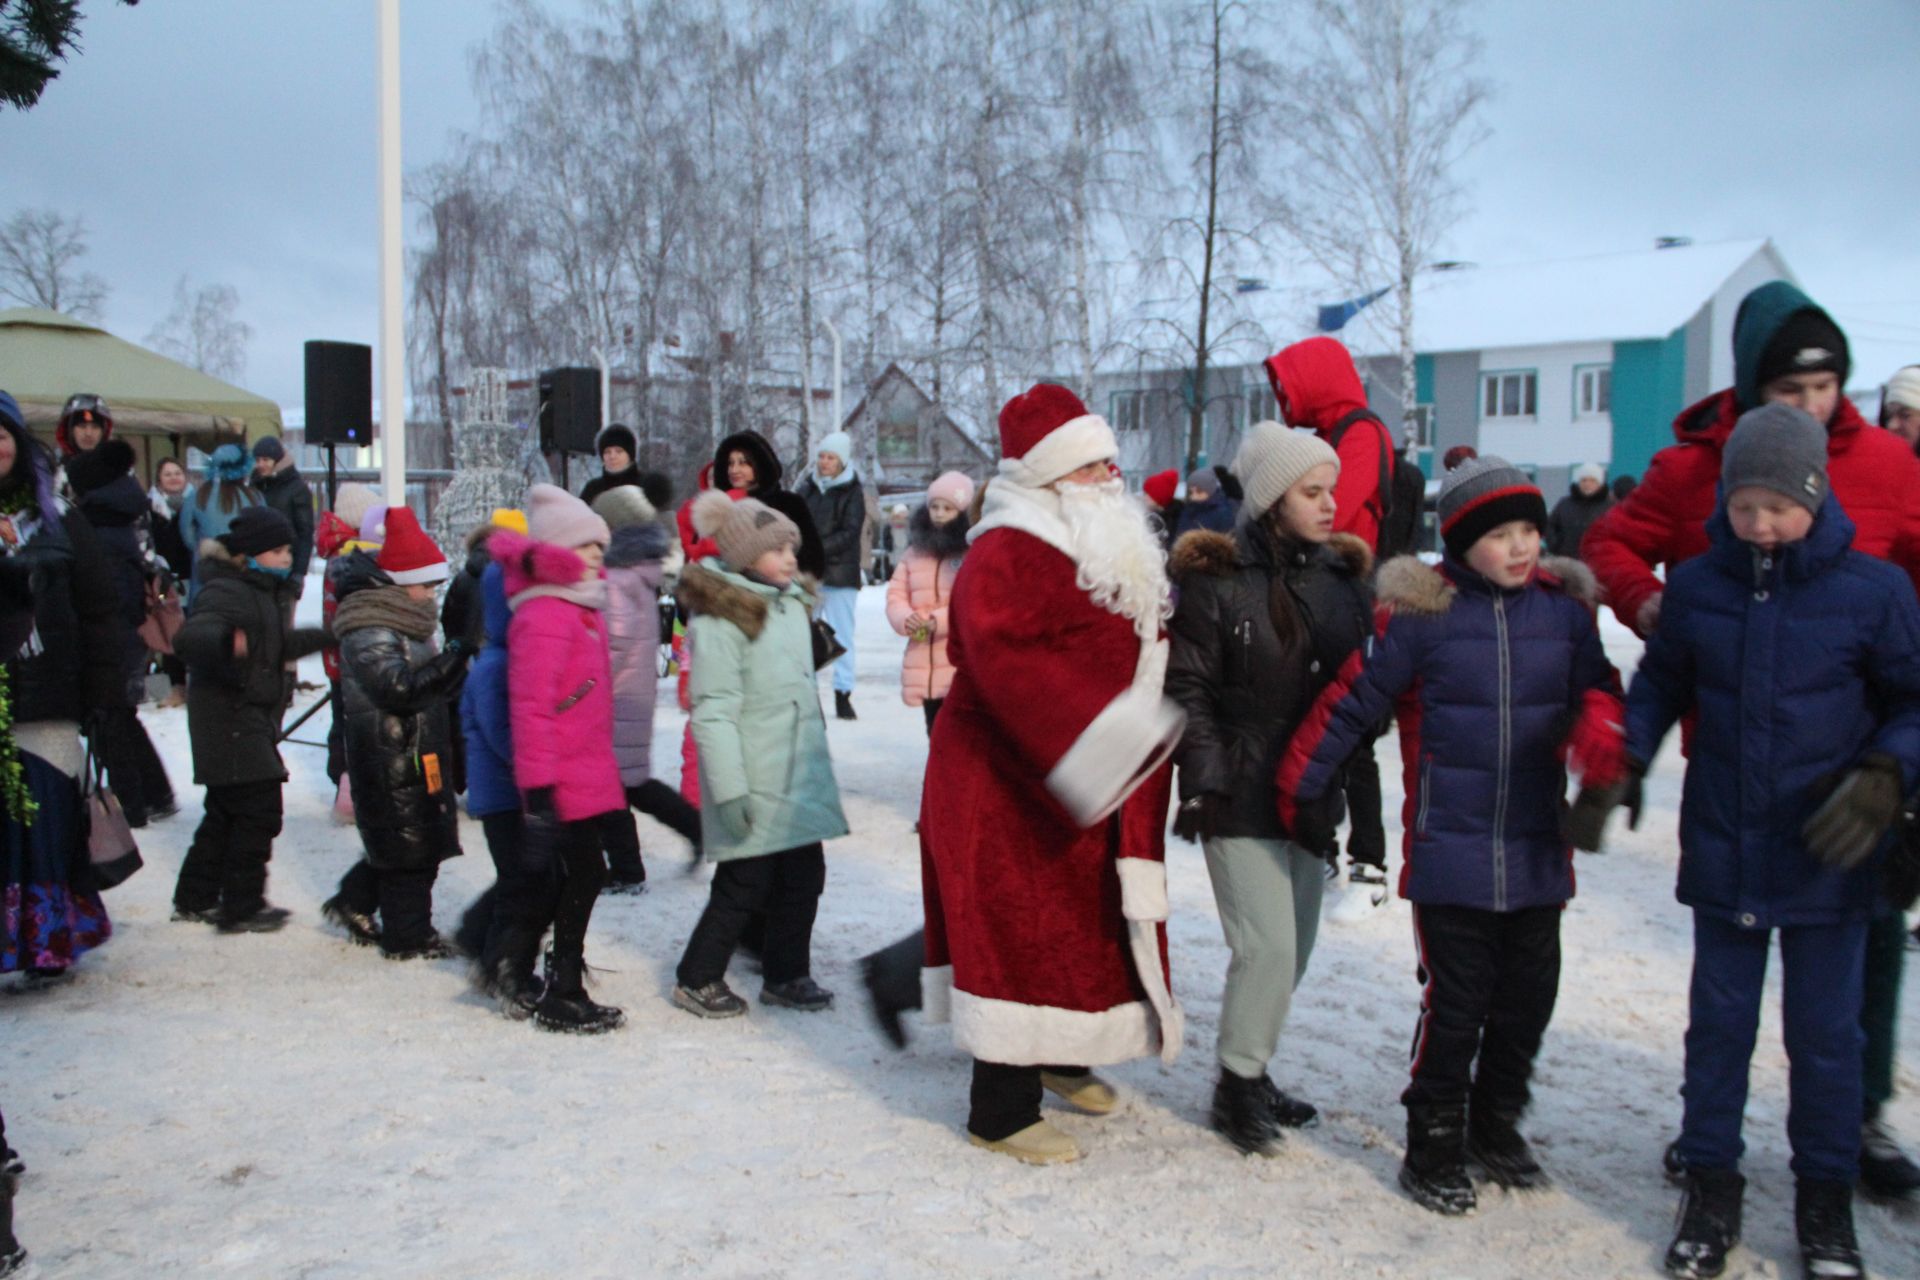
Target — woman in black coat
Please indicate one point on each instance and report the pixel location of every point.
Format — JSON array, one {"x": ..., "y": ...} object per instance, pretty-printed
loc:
[
  {"x": 745, "y": 461},
  {"x": 1267, "y": 617},
  {"x": 60, "y": 645}
]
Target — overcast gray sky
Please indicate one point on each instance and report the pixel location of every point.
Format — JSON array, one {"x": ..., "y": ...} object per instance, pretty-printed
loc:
[{"x": 234, "y": 141}]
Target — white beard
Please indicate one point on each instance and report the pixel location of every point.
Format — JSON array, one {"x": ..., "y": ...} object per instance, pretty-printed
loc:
[{"x": 1117, "y": 553}]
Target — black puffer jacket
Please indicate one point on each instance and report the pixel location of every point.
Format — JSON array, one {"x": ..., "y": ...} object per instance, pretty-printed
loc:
[
  {"x": 395, "y": 696},
  {"x": 288, "y": 494},
  {"x": 768, "y": 473},
  {"x": 118, "y": 512},
  {"x": 59, "y": 580},
  {"x": 460, "y": 612},
  {"x": 839, "y": 514},
  {"x": 1242, "y": 692},
  {"x": 1572, "y": 516},
  {"x": 234, "y": 704}
]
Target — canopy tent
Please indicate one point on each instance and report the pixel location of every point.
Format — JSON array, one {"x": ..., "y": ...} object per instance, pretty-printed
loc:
[{"x": 46, "y": 357}]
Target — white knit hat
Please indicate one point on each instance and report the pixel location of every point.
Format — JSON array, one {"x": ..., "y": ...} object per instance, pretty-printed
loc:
[
  {"x": 1904, "y": 387},
  {"x": 1271, "y": 461},
  {"x": 1590, "y": 471}
]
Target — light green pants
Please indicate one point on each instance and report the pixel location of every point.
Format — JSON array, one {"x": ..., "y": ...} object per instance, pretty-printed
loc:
[{"x": 1269, "y": 896}]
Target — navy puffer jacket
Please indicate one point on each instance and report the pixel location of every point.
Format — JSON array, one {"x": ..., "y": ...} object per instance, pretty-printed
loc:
[
  {"x": 1801, "y": 663},
  {"x": 484, "y": 714},
  {"x": 1487, "y": 683}
]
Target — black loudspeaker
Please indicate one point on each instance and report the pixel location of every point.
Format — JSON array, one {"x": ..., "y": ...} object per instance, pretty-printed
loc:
[
  {"x": 339, "y": 393},
  {"x": 569, "y": 410}
]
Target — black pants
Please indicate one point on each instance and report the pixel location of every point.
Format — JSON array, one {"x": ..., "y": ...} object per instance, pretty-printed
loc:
[
  {"x": 403, "y": 899},
  {"x": 1366, "y": 836},
  {"x": 1490, "y": 979},
  {"x": 512, "y": 915},
  {"x": 621, "y": 838},
  {"x": 574, "y": 849},
  {"x": 336, "y": 738},
  {"x": 1006, "y": 1099},
  {"x": 226, "y": 865},
  {"x": 786, "y": 886},
  {"x": 134, "y": 770}
]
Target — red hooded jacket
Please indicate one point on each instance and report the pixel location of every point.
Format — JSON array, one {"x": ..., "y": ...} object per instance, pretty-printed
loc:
[
  {"x": 1664, "y": 520},
  {"x": 1318, "y": 387}
]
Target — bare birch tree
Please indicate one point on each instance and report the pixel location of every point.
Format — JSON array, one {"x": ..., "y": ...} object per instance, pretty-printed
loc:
[
  {"x": 204, "y": 330},
  {"x": 40, "y": 253}
]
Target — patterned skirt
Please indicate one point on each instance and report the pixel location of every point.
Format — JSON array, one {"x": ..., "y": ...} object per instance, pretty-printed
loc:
[{"x": 53, "y": 913}]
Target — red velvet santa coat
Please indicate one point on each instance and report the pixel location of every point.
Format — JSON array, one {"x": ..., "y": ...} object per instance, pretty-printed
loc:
[{"x": 1042, "y": 822}]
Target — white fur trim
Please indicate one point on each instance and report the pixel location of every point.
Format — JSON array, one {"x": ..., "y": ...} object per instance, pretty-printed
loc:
[
  {"x": 436, "y": 572},
  {"x": 1143, "y": 940},
  {"x": 1032, "y": 509},
  {"x": 936, "y": 994},
  {"x": 1062, "y": 451},
  {"x": 1030, "y": 1035},
  {"x": 1143, "y": 889},
  {"x": 1130, "y": 738}
]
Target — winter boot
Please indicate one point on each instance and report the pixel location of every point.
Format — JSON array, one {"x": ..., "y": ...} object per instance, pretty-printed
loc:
[
  {"x": 514, "y": 989},
  {"x": 361, "y": 928},
  {"x": 1886, "y": 1172},
  {"x": 1672, "y": 1167},
  {"x": 802, "y": 993},
  {"x": 1038, "y": 1143},
  {"x": 714, "y": 1000},
  {"x": 10, "y": 1162},
  {"x": 892, "y": 978},
  {"x": 1435, "y": 1170},
  {"x": 1084, "y": 1091},
  {"x": 1243, "y": 1115},
  {"x": 196, "y": 915},
  {"x": 432, "y": 947},
  {"x": 1495, "y": 1141},
  {"x": 13, "y": 1256},
  {"x": 1289, "y": 1112},
  {"x": 843, "y": 706},
  {"x": 1709, "y": 1223},
  {"x": 564, "y": 1005},
  {"x": 1823, "y": 1219},
  {"x": 268, "y": 919},
  {"x": 624, "y": 887}
]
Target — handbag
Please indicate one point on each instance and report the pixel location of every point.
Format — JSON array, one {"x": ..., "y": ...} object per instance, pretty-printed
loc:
[
  {"x": 165, "y": 617},
  {"x": 826, "y": 645},
  {"x": 110, "y": 844}
]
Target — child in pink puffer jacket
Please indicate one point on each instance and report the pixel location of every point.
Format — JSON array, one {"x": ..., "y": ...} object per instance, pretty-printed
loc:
[
  {"x": 560, "y": 694},
  {"x": 922, "y": 587}
]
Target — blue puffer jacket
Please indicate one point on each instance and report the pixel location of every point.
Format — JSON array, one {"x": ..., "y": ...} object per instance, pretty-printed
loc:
[
  {"x": 1800, "y": 663},
  {"x": 483, "y": 709},
  {"x": 1487, "y": 684}
]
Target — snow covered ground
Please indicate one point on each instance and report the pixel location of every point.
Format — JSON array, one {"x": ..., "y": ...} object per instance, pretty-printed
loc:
[{"x": 289, "y": 1105}]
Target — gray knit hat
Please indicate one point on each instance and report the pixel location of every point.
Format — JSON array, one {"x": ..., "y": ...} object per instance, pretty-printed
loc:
[
  {"x": 744, "y": 530},
  {"x": 1779, "y": 448},
  {"x": 1482, "y": 494},
  {"x": 623, "y": 505},
  {"x": 1271, "y": 461},
  {"x": 1203, "y": 480}
]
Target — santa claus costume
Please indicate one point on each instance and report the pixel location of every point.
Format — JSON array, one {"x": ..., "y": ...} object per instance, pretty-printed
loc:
[{"x": 1042, "y": 823}]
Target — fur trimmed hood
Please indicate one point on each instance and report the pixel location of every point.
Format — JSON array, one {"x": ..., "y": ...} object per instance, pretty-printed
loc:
[
  {"x": 1201, "y": 551},
  {"x": 1406, "y": 583},
  {"x": 701, "y": 590},
  {"x": 525, "y": 563}
]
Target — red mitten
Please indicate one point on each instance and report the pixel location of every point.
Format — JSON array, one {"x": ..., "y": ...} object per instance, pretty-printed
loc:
[{"x": 1596, "y": 749}]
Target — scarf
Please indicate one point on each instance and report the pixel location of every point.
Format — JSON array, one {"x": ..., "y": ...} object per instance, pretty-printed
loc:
[
  {"x": 390, "y": 607},
  {"x": 589, "y": 593}
]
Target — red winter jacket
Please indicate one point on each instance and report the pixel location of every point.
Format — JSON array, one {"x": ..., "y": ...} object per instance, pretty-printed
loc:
[
  {"x": 1317, "y": 387},
  {"x": 1664, "y": 520}
]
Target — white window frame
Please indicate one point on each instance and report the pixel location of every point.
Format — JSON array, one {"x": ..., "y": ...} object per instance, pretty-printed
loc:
[
  {"x": 1527, "y": 393},
  {"x": 1599, "y": 379},
  {"x": 1124, "y": 405}
]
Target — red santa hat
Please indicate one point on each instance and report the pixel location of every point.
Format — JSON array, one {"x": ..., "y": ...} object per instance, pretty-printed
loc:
[
  {"x": 409, "y": 556},
  {"x": 1160, "y": 487},
  {"x": 1047, "y": 432}
]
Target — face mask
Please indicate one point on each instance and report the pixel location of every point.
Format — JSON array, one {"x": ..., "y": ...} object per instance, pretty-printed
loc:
[{"x": 282, "y": 574}]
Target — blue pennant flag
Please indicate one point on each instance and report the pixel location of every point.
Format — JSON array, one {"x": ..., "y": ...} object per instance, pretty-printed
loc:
[{"x": 1334, "y": 318}]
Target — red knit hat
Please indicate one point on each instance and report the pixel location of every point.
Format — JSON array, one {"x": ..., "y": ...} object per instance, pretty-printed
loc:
[
  {"x": 409, "y": 556},
  {"x": 1159, "y": 487},
  {"x": 1049, "y": 429}
]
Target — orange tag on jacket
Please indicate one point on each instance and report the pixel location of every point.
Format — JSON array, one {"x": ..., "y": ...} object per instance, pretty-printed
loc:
[{"x": 431, "y": 764}]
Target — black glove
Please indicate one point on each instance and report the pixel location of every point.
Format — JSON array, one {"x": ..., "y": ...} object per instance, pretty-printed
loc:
[
  {"x": 1196, "y": 819},
  {"x": 539, "y": 802},
  {"x": 1587, "y": 818},
  {"x": 1316, "y": 824},
  {"x": 1845, "y": 829}
]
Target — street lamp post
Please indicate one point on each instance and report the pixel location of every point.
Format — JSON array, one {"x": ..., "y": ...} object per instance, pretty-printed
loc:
[{"x": 393, "y": 339}]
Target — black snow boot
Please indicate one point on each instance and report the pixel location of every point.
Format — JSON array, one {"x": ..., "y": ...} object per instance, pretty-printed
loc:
[
  {"x": 512, "y": 986},
  {"x": 1495, "y": 1141},
  {"x": 1709, "y": 1223},
  {"x": 1435, "y": 1170},
  {"x": 1823, "y": 1219},
  {"x": 892, "y": 978},
  {"x": 801, "y": 993},
  {"x": 1886, "y": 1172},
  {"x": 268, "y": 919},
  {"x": 564, "y": 1005},
  {"x": 361, "y": 928},
  {"x": 1243, "y": 1115},
  {"x": 10, "y": 1161},
  {"x": 12, "y": 1256},
  {"x": 714, "y": 1000},
  {"x": 843, "y": 705},
  {"x": 1289, "y": 1112},
  {"x": 1672, "y": 1167}
]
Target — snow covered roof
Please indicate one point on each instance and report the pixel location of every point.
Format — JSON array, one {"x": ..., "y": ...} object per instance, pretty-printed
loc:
[{"x": 1604, "y": 298}]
